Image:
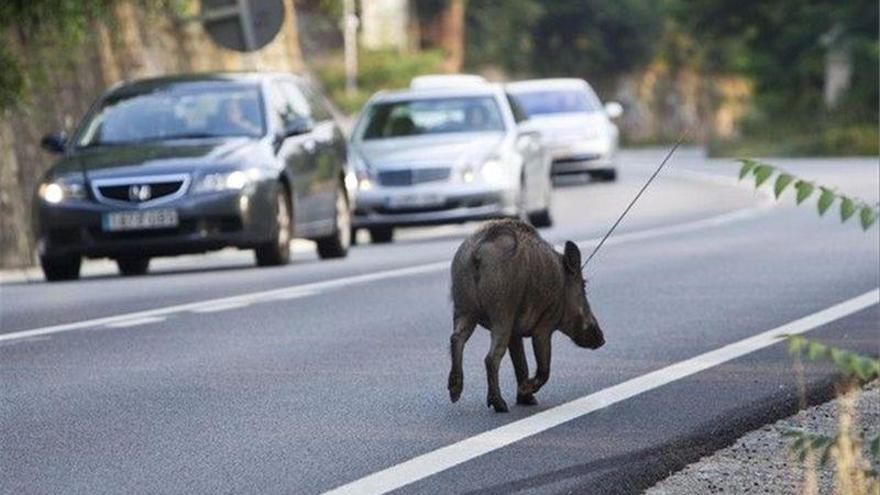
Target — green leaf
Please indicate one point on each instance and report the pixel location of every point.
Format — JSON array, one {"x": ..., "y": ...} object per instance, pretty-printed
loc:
[
  {"x": 795, "y": 344},
  {"x": 868, "y": 216},
  {"x": 847, "y": 208},
  {"x": 865, "y": 368},
  {"x": 804, "y": 190},
  {"x": 840, "y": 358},
  {"x": 815, "y": 350},
  {"x": 825, "y": 200},
  {"x": 762, "y": 173},
  {"x": 874, "y": 447},
  {"x": 781, "y": 183},
  {"x": 747, "y": 165}
]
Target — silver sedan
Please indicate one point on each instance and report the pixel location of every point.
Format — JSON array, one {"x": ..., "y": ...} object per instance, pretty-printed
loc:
[{"x": 432, "y": 156}]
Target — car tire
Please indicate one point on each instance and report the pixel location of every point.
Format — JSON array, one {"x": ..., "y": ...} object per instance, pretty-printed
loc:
[
  {"x": 605, "y": 175},
  {"x": 381, "y": 235},
  {"x": 277, "y": 251},
  {"x": 541, "y": 218},
  {"x": 337, "y": 244},
  {"x": 130, "y": 266},
  {"x": 60, "y": 268}
]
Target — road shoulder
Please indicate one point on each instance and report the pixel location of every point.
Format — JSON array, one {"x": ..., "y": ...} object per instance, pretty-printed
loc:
[{"x": 761, "y": 462}]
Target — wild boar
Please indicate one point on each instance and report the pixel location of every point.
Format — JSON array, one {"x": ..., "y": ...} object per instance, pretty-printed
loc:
[{"x": 509, "y": 280}]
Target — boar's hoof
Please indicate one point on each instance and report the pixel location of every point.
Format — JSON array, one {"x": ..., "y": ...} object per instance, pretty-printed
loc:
[
  {"x": 455, "y": 386},
  {"x": 497, "y": 403},
  {"x": 526, "y": 400},
  {"x": 527, "y": 387}
]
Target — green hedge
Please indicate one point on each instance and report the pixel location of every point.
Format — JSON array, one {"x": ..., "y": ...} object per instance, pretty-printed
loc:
[
  {"x": 852, "y": 140},
  {"x": 377, "y": 70}
]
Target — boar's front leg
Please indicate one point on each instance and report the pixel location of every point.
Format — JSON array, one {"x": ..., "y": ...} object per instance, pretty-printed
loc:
[
  {"x": 521, "y": 368},
  {"x": 500, "y": 338},
  {"x": 463, "y": 328},
  {"x": 541, "y": 345}
]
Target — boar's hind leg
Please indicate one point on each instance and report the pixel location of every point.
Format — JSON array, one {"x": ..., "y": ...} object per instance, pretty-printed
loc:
[
  {"x": 500, "y": 337},
  {"x": 464, "y": 327},
  {"x": 541, "y": 345},
  {"x": 521, "y": 368}
]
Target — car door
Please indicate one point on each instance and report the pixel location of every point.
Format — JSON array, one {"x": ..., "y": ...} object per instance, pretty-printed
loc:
[
  {"x": 330, "y": 152},
  {"x": 299, "y": 154}
]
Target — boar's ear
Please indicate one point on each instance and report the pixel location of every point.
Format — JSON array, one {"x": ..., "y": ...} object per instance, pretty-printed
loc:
[{"x": 572, "y": 257}]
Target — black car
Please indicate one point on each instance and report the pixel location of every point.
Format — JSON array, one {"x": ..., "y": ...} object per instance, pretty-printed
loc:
[{"x": 194, "y": 163}]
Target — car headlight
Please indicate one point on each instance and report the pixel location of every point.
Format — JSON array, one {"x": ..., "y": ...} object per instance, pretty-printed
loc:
[
  {"x": 56, "y": 191},
  {"x": 224, "y": 181},
  {"x": 493, "y": 171}
]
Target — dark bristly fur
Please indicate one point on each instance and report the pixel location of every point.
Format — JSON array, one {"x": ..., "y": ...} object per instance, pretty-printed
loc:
[{"x": 506, "y": 278}]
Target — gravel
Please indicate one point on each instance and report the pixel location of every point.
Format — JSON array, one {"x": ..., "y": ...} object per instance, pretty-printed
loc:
[{"x": 760, "y": 461}]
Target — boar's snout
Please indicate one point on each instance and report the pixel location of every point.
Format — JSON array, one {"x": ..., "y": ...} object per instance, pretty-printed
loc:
[{"x": 590, "y": 336}]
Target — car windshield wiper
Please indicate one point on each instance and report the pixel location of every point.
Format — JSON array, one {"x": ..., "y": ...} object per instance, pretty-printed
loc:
[{"x": 192, "y": 135}]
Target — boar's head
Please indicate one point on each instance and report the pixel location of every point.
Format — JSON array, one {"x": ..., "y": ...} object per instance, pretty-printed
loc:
[{"x": 578, "y": 321}]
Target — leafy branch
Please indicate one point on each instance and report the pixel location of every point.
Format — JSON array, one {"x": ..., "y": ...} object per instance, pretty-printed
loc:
[
  {"x": 854, "y": 366},
  {"x": 850, "y": 363},
  {"x": 849, "y": 206}
]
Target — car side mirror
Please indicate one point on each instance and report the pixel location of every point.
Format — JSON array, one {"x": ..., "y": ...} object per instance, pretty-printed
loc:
[
  {"x": 54, "y": 143},
  {"x": 298, "y": 125},
  {"x": 613, "y": 109}
]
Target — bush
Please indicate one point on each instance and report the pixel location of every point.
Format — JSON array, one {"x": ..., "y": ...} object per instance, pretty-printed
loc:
[
  {"x": 377, "y": 70},
  {"x": 832, "y": 140}
]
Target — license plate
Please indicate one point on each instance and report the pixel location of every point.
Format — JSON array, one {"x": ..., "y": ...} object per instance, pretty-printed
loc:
[
  {"x": 414, "y": 201},
  {"x": 140, "y": 220}
]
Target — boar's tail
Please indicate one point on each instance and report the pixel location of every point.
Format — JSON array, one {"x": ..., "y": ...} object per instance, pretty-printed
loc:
[{"x": 493, "y": 232}]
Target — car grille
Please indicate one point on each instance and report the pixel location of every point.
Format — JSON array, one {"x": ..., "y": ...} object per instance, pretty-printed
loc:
[
  {"x": 409, "y": 177},
  {"x": 140, "y": 190}
]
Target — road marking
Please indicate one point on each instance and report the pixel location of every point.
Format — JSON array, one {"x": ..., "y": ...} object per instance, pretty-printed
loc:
[
  {"x": 297, "y": 291},
  {"x": 213, "y": 308},
  {"x": 135, "y": 322},
  {"x": 291, "y": 292},
  {"x": 444, "y": 458}
]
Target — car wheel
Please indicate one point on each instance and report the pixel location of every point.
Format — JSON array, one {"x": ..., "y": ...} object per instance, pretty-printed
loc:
[
  {"x": 336, "y": 245},
  {"x": 60, "y": 268},
  {"x": 277, "y": 251},
  {"x": 541, "y": 218},
  {"x": 606, "y": 175},
  {"x": 381, "y": 235},
  {"x": 134, "y": 265}
]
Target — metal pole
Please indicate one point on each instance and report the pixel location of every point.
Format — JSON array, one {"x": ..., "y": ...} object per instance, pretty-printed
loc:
[
  {"x": 349, "y": 29},
  {"x": 247, "y": 30}
]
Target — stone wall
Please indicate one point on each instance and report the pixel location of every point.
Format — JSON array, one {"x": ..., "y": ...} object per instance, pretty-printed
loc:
[{"x": 135, "y": 44}]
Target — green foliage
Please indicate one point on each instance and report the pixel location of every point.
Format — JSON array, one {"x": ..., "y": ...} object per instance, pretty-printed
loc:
[
  {"x": 563, "y": 37},
  {"x": 850, "y": 363},
  {"x": 782, "y": 45},
  {"x": 853, "y": 366},
  {"x": 377, "y": 70},
  {"x": 60, "y": 25},
  {"x": 824, "y": 138},
  {"x": 848, "y": 206}
]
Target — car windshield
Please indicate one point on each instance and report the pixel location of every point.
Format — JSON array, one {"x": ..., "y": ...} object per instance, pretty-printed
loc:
[
  {"x": 556, "y": 101},
  {"x": 180, "y": 111},
  {"x": 433, "y": 116}
]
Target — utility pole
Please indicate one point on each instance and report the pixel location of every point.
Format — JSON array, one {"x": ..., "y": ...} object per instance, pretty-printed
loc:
[{"x": 349, "y": 34}]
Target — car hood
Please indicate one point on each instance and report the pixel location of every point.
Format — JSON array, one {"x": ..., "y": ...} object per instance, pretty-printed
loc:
[
  {"x": 159, "y": 158},
  {"x": 427, "y": 151},
  {"x": 567, "y": 123}
]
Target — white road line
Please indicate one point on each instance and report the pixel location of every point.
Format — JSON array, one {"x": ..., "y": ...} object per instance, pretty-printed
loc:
[
  {"x": 136, "y": 321},
  {"x": 268, "y": 295},
  {"x": 297, "y": 291},
  {"x": 444, "y": 458},
  {"x": 213, "y": 308}
]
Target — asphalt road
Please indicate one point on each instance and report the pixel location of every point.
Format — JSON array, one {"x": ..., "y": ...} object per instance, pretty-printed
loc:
[{"x": 211, "y": 376}]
